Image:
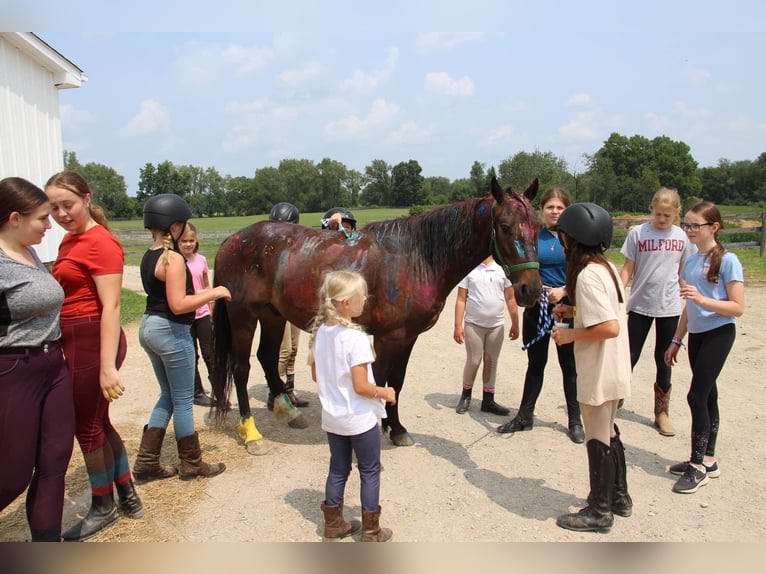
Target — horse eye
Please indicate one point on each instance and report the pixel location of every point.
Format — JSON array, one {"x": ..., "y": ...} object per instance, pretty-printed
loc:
[{"x": 506, "y": 228}]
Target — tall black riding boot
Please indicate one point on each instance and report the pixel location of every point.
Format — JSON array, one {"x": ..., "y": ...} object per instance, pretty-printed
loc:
[
  {"x": 465, "y": 402},
  {"x": 129, "y": 502},
  {"x": 597, "y": 515},
  {"x": 488, "y": 405},
  {"x": 622, "y": 504},
  {"x": 102, "y": 514},
  {"x": 49, "y": 535}
]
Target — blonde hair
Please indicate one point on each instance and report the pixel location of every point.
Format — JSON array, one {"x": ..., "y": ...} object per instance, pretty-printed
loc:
[
  {"x": 669, "y": 197},
  {"x": 74, "y": 182},
  {"x": 337, "y": 286}
]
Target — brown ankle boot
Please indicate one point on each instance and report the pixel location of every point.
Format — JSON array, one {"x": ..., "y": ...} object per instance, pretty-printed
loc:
[
  {"x": 334, "y": 524},
  {"x": 661, "y": 405},
  {"x": 190, "y": 455},
  {"x": 372, "y": 530},
  {"x": 147, "y": 466}
]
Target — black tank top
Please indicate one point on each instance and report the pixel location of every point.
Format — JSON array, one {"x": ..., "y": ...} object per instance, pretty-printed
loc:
[{"x": 156, "y": 297}]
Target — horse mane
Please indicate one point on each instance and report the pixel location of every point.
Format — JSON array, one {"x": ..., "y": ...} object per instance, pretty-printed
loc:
[{"x": 431, "y": 238}]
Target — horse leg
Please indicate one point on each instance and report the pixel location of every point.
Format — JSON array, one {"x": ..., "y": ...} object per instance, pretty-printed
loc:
[
  {"x": 391, "y": 367},
  {"x": 242, "y": 343},
  {"x": 272, "y": 331}
]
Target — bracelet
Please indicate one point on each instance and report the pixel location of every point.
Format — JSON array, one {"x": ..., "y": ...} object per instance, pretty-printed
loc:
[
  {"x": 678, "y": 342},
  {"x": 375, "y": 396}
]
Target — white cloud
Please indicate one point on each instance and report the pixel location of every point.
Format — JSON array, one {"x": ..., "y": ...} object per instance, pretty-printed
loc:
[
  {"x": 199, "y": 64},
  {"x": 296, "y": 77},
  {"x": 411, "y": 133},
  {"x": 369, "y": 82},
  {"x": 352, "y": 127},
  {"x": 254, "y": 120},
  {"x": 499, "y": 134},
  {"x": 697, "y": 75},
  {"x": 72, "y": 117},
  {"x": 683, "y": 110},
  {"x": 152, "y": 117},
  {"x": 235, "y": 107},
  {"x": 443, "y": 83},
  {"x": 446, "y": 40},
  {"x": 578, "y": 100},
  {"x": 584, "y": 127}
]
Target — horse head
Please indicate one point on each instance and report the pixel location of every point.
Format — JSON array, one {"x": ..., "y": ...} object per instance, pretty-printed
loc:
[{"x": 515, "y": 227}]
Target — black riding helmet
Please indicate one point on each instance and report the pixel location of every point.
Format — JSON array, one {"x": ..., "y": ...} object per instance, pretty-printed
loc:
[
  {"x": 345, "y": 215},
  {"x": 284, "y": 211},
  {"x": 162, "y": 210},
  {"x": 587, "y": 223}
]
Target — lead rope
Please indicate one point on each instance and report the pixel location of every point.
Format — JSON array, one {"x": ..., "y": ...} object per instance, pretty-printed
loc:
[{"x": 544, "y": 321}]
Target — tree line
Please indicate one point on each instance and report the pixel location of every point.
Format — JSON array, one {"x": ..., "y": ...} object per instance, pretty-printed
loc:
[{"x": 622, "y": 176}]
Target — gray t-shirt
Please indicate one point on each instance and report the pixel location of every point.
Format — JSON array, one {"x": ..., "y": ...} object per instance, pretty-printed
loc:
[
  {"x": 30, "y": 303},
  {"x": 657, "y": 254}
]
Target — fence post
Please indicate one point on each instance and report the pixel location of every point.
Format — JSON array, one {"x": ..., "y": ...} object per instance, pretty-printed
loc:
[{"x": 763, "y": 233}]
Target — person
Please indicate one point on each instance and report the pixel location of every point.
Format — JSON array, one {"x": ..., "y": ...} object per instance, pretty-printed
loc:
[
  {"x": 538, "y": 322},
  {"x": 165, "y": 335},
  {"x": 202, "y": 327},
  {"x": 340, "y": 219},
  {"x": 603, "y": 357},
  {"x": 482, "y": 297},
  {"x": 285, "y": 211},
  {"x": 714, "y": 292},
  {"x": 36, "y": 407},
  {"x": 89, "y": 267},
  {"x": 654, "y": 258},
  {"x": 341, "y": 359}
]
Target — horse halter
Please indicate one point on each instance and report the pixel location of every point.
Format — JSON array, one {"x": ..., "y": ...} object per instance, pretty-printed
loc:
[{"x": 494, "y": 249}]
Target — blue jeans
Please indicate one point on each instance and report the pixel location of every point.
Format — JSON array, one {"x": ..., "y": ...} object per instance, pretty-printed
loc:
[
  {"x": 171, "y": 350},
  {"x": 366, "y": 446}
]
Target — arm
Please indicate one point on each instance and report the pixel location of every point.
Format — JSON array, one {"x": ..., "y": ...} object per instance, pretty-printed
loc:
[
  {"x": 368, "y": 390},
  {"x": 555, "y": 294},
  {"x": 206, "y": 283},
  {"x": 109, "y": 289},
  {"x": 599, "y": 332},
  {"x": 734, "y": 306},
  {"x": 459, "y": 333},
  {"x": 175, "y": 287},
  {"x": 513, "y": 310},
  {"x": 671, "y": 353},
  {"x": 626, "y": 273}
]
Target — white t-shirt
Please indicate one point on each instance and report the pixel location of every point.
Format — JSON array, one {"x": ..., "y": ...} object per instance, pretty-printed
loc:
[
  {"x": 657, "y": 255},
  {"x": 603, "y": 367},
  {"x": 485, "y": 305},
  {"x": 336, "y": 350}
]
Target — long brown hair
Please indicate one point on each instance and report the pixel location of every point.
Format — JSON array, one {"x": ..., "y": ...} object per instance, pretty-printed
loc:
[
  {"x": 711, "y": 214},
  {"x": 20, "y": 196},
  {"x": 555, "y": 193},
  {"x": 579, "y": 256},
  {"x": 74, "y": 182}
]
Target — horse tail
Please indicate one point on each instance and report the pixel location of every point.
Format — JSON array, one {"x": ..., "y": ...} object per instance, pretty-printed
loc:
[{"x": 223, "y": 362}]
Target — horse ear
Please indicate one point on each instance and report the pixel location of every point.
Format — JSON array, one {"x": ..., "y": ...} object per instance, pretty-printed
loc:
[
  {"x": 531, "y": 191},
  {"x": 497, "y": 192}
]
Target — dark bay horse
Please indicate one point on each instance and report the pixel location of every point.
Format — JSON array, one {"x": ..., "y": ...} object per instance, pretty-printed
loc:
[{"x": 274, "y": 269}]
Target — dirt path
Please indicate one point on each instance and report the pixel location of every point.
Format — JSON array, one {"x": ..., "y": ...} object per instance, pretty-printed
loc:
[{"x": 461, "y": 481}]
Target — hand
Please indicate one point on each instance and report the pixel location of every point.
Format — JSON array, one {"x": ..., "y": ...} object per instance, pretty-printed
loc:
[
  {"x": 555, "y": 294},
  {"x": 459, "y": 334},
  {"x": 691, "y": 293},
  {"x": 671, "y": 354},
  {"x": 562, "y": 336},
  {"x": 562, "y": 311},
  {"x": 111, "y": 386},
  {"x": 513, "y": 334},
  {"x": 221, "y": 292},
  {"x": 388, "y": 394}
]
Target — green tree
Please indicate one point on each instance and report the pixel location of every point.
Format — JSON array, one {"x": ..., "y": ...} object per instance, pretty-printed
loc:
[
  {"x": 479, "y": 179},
  {"x": 439, "y": 189},
  {"x": 354, "y": 183},
  {"x": 521, "y": 169},
  {"x": 299, "y": 184},
  {"x": 108, "y": 189},
  {"x": 377, "y": 190},
  {"x": 407, "y": 185},
  {"x": 332, "y": 175}
]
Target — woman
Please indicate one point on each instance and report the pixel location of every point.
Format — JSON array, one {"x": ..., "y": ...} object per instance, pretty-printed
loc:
[
  {"x": 536, "y": 335},
  {"x": 601, "y": 342},
  {"x": 36, "y": 407},
  {"x": 165, "y": 335},
  {"x": 89, "y": 268},
  {"x": 714, "y": 291}
]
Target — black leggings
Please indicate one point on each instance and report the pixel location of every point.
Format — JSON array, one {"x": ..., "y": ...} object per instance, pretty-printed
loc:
[
  {"x": 638, "y": 329},
  {"x": 707, "y": 354}
]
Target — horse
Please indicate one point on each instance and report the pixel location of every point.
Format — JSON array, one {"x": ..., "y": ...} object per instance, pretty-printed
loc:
[{"x": 411, "y": 264}]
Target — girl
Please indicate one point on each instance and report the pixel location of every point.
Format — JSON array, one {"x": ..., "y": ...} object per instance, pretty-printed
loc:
[
  {"x": 166, "y": 337},
  {"x": 601, "y": 344},
  {"x": 553, "y": 269},
  {"x": 341, "y": 364},
  {"x": 714, "y": 291},
  {"x": 36, "y": 407},
  {"x": 654, "y": 259},
  {"x": 89, "y": 268},
  {"x": 202, "y": 327},
  {"x": 487, "y": 292}
]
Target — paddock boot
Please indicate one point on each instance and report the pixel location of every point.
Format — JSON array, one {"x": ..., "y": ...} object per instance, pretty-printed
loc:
[
  {"x": 147, "y": 466},
  {"x": 334, "y": 524},
  {"x": 523, "y": 421},
  {"x": 290, "y": 390},
  {"x": 190, "y": 455},
  {"x": 597, "y": 515},
  {"x": 488, "y": 405},
  {"x": 661, "y": 405},
  {"x": 129, "y": 502},
  {"x": 284, "y": 408},
  {"x": 102, "y": 514},
  {"x": 48, "y": 535},
  {"x": 622, "y": 504},
  {"x": 200, "y": 396},
  {"x": 464, "y": 403},
  {"x": 372, "y": 531}
]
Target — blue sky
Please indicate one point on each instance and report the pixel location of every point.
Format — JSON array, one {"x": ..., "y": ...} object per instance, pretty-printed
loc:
[{"x": 355, "y": 83}]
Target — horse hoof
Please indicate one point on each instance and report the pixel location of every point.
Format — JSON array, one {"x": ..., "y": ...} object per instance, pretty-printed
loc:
[
  {"x": 402, "y": 439},
  {"x": 258, "y": 447},
  {"x": 298, "y": 422}
]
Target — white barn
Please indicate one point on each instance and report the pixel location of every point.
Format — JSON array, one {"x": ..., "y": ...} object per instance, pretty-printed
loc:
[{"x": 31, "y": 75}]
